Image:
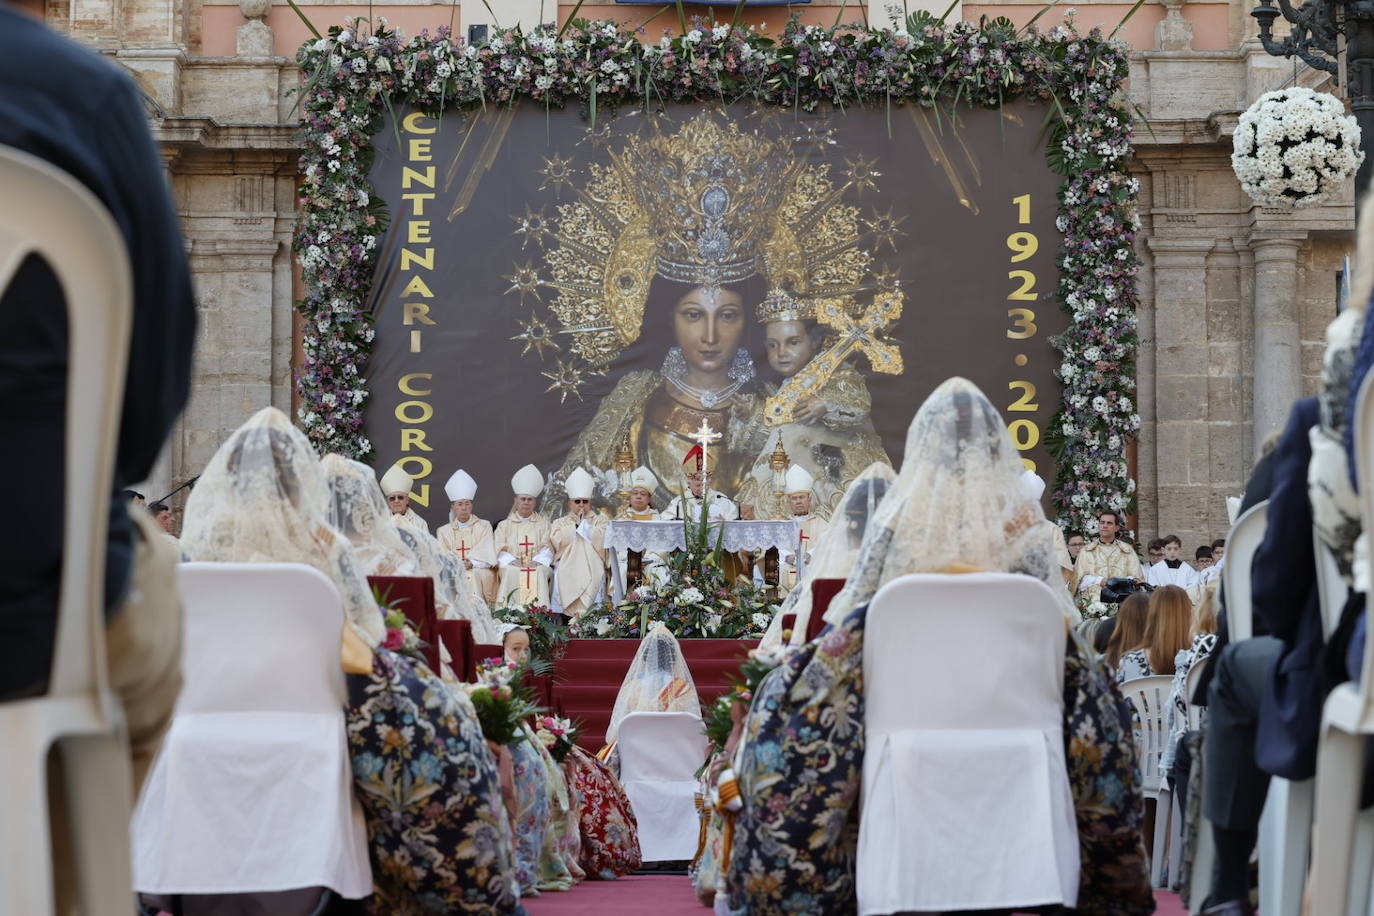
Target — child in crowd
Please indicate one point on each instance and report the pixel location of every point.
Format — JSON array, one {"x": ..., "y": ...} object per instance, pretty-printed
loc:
[
  {"x": 1155, "y": 551},
  {"x": 1202, "y": 557},
  {"x": 515, "y": 644},
  {"x": 1171, "y": 570}
]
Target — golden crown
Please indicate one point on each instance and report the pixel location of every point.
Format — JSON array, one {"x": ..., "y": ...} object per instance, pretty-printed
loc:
[
  {"x": 710, "y": 191},
  {"x": 779, "y": 305}
]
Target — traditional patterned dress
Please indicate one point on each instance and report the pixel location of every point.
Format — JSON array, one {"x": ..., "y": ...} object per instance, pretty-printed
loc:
[
  {"x": 795, "y": 840},
  {"x": 439, "y": 837},
  {"x": 532, "y": 812},
  {"x": 609, "y": 834}
]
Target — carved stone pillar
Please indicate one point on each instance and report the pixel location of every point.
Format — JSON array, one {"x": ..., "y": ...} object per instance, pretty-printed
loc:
[
  {"x": 1278, "y": 343},
  {"x": 1182, "y": 437}
]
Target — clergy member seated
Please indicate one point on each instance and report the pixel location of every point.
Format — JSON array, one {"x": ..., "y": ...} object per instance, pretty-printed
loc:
[
  {"x": 523, "y": 554},
  {"x": 1172, "y": 570},
  {"x": 396, "y": 485},
  {"x": 579, "y": 545},
  {"x": 1107, "y": 557},
  {"x": 469, "y": 536},
  {"x": 639, "y": 504},
  {"x": 722, "y": 507},
  {"x": 812, "y": 526}
]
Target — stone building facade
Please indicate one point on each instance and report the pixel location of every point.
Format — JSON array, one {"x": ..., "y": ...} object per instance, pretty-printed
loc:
[{"x": 1234, "y": 298}]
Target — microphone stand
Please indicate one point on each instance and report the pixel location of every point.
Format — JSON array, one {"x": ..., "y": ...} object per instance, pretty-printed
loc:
[{"x": 189, "y": 483}]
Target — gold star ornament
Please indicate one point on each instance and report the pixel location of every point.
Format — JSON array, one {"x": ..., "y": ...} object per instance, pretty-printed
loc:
[
  {"x": 566, "y": 379},
  {"x": 536, "y": 336}
]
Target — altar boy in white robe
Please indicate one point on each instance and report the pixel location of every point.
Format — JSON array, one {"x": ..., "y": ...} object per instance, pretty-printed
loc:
[
  {"x": 396, "y": 485},
  {"x": 579, "y": 546},
  {"x": 799, "y": 496},
  {"x": 1172, "y": 570},
  {"x": 523, "y": 555},
  {"x": 469, "y": 536}
]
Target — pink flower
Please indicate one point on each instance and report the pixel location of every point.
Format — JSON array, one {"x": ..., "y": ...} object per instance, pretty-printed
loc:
[{"x": 395, "y": 639}]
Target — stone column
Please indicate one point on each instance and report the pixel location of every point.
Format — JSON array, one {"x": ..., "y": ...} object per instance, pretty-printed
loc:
[
  {"x": 1278, "y": 345},
  {"x": 1181, "y": 441}
]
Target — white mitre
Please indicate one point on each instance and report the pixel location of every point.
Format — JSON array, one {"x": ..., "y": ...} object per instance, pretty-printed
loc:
[
  {"x": 460, "y": 486},
  {"x": 643, "y": 477},
  {"x": 579, "y": 484},
  {"x": 527, "y": 481},
  {"x": 396, "y": 481},
  {"x": 798, "y": 480},
  {"x": 1033, "y": 485}
]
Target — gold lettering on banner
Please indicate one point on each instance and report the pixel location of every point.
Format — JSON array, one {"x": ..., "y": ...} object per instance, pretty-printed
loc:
[
  {"x": 412, "y": 412},
  {"x": 405, "y": 384},
  {"x": 426, "y": 176},
  {"x": 417, "y": 311},
  {"x": 417, "y": 287},
  {"x": 411, "y": 122}
]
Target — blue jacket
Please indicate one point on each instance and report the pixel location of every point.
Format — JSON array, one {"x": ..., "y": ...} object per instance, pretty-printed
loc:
[{"x": 1283, "y": 580}]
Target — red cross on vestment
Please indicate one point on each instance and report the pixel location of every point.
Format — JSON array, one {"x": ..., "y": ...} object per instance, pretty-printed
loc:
[
  {"x": 525, "y": 546},
  {"x": 463, "y": 549},
  {"x": 527, "y": 570}
]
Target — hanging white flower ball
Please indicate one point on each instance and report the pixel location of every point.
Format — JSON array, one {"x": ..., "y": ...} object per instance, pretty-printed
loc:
[{"x": 1295, "y": 148}]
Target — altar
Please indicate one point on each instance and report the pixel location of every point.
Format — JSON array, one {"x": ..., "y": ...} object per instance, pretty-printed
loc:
[{"x": 634, "y": 539}]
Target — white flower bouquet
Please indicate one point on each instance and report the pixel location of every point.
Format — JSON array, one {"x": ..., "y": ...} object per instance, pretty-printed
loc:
[{"x": 1295, "y": 147}]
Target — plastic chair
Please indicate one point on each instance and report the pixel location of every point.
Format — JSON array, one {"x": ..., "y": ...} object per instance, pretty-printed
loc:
[
  {"x": 1331, "y": 587},
  {"x": 1150, "y": 697},
  {"x": 966, "y": 802},
  {"x": 1347, "y": 720},
  {"x": 46, "y": 212},
  {"x": 1241, "y": 544},
  {"x": 659, "y": 754},
  {"x": 1178, "y": 815},
  {"x": 253, "y": 789}
]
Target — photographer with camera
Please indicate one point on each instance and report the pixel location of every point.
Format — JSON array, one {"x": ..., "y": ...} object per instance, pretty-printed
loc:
[{"x": 1106, "y": 557}]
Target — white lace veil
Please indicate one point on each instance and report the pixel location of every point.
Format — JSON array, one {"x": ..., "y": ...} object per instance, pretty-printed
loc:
[
  {"x": 836, "y": 551},
  {"x": 453, "y": 597},
  {"x": 359, "y": 511},
  {"x": 263, "y": 499},
  {"x": 658, "y": 681},
  {"x": 958, "y": 502}
]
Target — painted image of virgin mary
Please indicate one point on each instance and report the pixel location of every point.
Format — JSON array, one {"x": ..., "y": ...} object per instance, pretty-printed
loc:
[{"x": 663, "y": 258}]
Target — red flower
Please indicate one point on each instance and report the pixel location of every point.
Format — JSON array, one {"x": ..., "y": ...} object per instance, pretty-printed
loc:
[{"x": 395, "y": 639}]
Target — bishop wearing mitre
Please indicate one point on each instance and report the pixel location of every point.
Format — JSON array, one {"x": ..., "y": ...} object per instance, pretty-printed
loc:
[
  {"x": 523, "y": 554},
  {"x": 810, "y": 526},
  {"x": 720, "y": 506},
  {"x": 396, "y": 485},
  {"x": 639, "y": 502},
  {"x": 579, "y": 546},
  {"x": 469, "y": 536}
]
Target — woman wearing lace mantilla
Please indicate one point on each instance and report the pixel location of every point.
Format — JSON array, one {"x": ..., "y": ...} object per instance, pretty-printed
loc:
[
  {"x": 957, "y": 506},
  {"x": 438, "y": 835},
  {"x": 658, "y": 681}
]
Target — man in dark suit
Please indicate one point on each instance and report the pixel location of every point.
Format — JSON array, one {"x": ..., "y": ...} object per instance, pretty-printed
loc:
[
  {"x": 66, "y": 105},
  {"x": 1261, "y": 714}
]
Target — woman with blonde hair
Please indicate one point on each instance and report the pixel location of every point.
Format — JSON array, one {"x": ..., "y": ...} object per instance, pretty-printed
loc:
[
  {"x": 1203, "y": 643},
  {"x": 1129, "y": 632},
  {"x": 1168, "y": 631}
]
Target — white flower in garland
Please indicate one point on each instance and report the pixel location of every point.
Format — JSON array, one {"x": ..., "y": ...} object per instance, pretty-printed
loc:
[
  {"x": 1295, "y": 148},
  {"x": 691, "y": 596}
]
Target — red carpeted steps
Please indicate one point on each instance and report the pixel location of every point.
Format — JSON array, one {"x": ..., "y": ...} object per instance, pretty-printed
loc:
[{"x": 588, "y": 677}]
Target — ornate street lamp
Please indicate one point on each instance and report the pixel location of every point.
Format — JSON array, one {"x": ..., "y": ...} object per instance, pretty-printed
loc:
[{"x": 1335, "y": 36}]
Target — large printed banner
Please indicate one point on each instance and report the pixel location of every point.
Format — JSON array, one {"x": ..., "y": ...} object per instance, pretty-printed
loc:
[{"x": 561, "y": 293}]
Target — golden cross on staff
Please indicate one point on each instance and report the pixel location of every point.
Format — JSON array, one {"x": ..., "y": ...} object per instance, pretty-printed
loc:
[
  {"x": 862, "y": 335},
  {"x": 704, "y": 436}
]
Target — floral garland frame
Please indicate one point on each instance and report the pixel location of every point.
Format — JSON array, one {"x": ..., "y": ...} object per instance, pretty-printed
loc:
[{"x": 359, "y": 73}]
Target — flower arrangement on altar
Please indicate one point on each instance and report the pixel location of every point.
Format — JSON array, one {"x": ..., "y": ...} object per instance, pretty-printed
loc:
[
  {"x": 502, "y": 700},
  {"x": 1295, "y": 148},
  {"x": 557, "y": 734},
  {"x": 358, "y": 74},
  {"x": 547, "y": 629}
]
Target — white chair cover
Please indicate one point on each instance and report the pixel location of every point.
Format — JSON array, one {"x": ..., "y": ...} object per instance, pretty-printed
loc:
[
  {"x": 966, "y": 802},
  {"x": 1241, "y": 544},
  {"x": 48, "y": 213},
  {"x": 252, "y": 790},
  {"x": 659, "y": 753}
]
